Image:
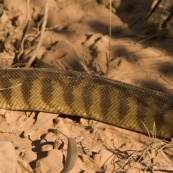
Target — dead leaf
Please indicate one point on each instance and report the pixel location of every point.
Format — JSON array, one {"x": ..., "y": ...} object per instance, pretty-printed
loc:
[{"x": 71, "y": 155}]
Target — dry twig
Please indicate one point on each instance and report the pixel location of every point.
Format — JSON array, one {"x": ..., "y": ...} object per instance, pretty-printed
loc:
[{"x": 41, "y": 37}]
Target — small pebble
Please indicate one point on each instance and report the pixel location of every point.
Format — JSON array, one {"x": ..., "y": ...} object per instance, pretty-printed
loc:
[
  {"x": 47, "y": 147},
  {"x": 30, "y": 156},
  {"x": 50, "y": 137}
]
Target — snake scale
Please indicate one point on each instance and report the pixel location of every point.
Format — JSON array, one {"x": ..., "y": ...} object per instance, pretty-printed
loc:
[{"x": 88, "y": 96}]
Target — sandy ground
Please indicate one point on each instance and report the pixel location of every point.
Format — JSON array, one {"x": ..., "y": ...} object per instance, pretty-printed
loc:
[{"x": 77, "y": 38}]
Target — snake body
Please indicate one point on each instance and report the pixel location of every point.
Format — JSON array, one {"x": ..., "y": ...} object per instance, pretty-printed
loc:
[{"x": 88, "y": 96}]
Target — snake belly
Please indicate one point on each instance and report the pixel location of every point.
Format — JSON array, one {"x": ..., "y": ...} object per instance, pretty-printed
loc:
[{"x": 87, "y": 96}]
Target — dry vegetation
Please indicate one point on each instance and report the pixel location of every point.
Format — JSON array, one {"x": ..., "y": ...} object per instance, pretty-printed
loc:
[{"x": 87, "y": 36}]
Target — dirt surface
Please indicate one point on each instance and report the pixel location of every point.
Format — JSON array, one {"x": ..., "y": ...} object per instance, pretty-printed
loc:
[{"x": 77, "y": 38}]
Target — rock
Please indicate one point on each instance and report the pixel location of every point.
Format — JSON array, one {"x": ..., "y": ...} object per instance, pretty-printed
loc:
[
  {"x": 50, "y": 137},
  {"x": 8, "y": 157},
  {"x": 30, "y": 156},
  {"x": 47, "y": 147},
  {"x": 53, "y": 162}
]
